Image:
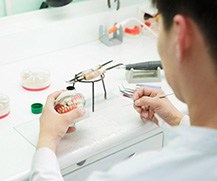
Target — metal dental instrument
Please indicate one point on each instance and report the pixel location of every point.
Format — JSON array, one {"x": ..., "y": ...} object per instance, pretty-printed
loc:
[
  {"x": 92, "y": 73},
  {"x": 92, "y": 76},
  {"x": 166, "y": 95}
]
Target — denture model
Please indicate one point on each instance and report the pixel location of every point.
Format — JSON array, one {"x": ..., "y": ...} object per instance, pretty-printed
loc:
[{"x": 69, "y": 100}]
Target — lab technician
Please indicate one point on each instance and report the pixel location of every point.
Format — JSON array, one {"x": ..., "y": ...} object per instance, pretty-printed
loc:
[{"x": 188, "y": 48}]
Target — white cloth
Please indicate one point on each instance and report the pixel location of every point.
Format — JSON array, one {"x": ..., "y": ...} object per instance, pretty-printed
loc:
[
  {"x": 190, "y": 155},
  {"x": 45, "y": 166},
  {"x": 185, "y": 121}
]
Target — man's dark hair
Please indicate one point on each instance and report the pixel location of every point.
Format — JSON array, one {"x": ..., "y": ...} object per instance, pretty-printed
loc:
[{"x": 203, "y": 12}]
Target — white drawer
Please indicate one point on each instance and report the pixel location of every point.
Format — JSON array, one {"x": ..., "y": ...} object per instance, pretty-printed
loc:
[{"x": 86, "y": 167}]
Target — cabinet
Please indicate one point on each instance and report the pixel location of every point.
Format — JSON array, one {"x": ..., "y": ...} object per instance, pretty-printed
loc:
[{"x": 104, "y": 161}]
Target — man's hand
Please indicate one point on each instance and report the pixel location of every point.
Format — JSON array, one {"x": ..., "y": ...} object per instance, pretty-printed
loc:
[
  {"x": 147, "y": 103},
  {"x": 53, "y": 126}
]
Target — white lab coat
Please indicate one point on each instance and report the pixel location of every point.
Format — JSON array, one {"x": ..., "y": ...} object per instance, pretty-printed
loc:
[{"x": 190, "y": 155}]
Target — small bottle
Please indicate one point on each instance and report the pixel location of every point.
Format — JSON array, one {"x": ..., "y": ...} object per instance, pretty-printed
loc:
[
  {"x": 68, "y": 100},
  {"x": 4, "y": 106}
]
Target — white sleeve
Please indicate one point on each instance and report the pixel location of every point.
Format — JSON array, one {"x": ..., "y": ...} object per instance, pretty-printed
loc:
[
  {"x": 185, "y": 121},
  {"x": 45, "y": 166}
]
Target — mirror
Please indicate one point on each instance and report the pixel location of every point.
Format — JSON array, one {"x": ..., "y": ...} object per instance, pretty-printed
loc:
[{"x": 12, "y": 7}]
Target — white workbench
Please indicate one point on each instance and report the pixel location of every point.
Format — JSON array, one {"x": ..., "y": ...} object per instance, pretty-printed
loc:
[{"x": 112, "y": 133}]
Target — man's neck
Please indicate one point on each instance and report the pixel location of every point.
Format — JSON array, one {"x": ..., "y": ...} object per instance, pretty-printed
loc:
[{"x": 203, "y": 112}]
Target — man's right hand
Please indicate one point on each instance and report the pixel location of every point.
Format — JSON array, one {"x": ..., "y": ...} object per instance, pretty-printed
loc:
[{"x": 147, "y": 103}]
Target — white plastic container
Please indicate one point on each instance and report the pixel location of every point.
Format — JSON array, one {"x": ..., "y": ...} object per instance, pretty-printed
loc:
[
  {"x": 35, "y": 79},
  {"x": 4, "y": 106}
]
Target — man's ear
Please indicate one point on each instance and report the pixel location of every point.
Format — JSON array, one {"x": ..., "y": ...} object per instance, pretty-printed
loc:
[{"x": 182, "y": 35}]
